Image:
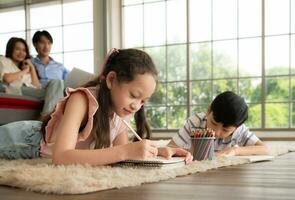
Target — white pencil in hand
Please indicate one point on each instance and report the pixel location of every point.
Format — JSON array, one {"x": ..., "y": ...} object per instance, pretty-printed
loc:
[{"x": 132, "y": 130}]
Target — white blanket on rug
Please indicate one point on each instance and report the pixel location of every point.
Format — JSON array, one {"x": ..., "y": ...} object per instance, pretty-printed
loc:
[{"x": 40, "y": 175}]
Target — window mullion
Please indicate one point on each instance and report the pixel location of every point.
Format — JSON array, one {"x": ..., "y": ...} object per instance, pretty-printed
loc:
[{"x": 263, "y": 98}]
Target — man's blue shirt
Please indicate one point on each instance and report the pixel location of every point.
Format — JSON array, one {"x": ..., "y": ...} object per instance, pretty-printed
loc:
[{"x": 53, "y": 70}]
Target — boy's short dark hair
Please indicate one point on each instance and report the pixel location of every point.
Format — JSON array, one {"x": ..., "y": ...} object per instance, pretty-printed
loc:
[
  {"x": 38, "y": 34},
  {"x": 229, "y": 109}
]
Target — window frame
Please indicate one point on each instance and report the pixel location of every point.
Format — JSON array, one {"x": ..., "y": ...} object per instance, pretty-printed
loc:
[
  {"x": 96, "y": 48},
  {"x": 263, "y": 75}
]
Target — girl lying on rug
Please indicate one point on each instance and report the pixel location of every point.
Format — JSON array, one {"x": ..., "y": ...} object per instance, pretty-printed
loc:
[
  {"x": 86, "y": 126},
  {"x": 225, "y": 116}
]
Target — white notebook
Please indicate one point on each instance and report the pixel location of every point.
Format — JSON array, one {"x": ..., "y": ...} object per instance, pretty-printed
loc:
[
  {"x": 256, "y": 158},
  {"x": 154, "y": 162}
]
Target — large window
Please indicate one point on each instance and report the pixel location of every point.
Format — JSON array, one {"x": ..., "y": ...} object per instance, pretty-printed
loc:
[
  {"x": 204, "y": 47},
  {"x": 70, "y": 22},
  {"x": 13, "y": 24}
]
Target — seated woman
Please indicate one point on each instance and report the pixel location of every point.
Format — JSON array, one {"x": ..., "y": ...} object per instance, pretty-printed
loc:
[
  {"x": 18, "y": 76},
  {"x": 16, "y": 68}
]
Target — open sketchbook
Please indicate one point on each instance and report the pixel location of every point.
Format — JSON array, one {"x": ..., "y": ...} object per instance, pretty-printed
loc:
[
  {"x": 257, "y": 158},
  {"x": 154, "y": 162}
]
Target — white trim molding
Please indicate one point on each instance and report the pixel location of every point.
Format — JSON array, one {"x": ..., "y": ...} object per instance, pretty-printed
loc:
[{"x": 263, "y": 135}]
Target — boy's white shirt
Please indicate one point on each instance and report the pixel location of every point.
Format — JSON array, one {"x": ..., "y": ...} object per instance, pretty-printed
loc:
[{"x": 240, "y": 137}]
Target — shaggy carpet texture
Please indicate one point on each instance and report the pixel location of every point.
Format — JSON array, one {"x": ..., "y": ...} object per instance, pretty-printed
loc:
[{"x": 40, "y": 175}]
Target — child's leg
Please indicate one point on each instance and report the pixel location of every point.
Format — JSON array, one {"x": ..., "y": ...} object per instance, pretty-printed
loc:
[{"x": 20, "y": 140}]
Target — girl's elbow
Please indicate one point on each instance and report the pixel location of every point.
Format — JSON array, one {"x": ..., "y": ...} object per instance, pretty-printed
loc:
[
  {"x": 38, "y": 86},
  {"x": 58, "y": 159},
  {"x": 7, "y": 80}
]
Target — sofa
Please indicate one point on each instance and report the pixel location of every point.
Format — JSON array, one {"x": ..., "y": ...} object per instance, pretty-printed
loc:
[{"x": 17, "y": 108}]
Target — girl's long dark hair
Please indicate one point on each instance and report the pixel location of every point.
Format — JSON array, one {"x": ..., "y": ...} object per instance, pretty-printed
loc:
[
  {"x": 10, "y": 48},
  {"x": 126, "y": 63}
]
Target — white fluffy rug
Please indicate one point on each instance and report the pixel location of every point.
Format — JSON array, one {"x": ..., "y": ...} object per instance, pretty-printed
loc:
[{"x": 40, "y": 175}]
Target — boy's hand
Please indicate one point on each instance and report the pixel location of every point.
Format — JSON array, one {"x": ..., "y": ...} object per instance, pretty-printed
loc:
[
  {"x": 168, "y": 152},
  {"x": 228, "y": 151}
]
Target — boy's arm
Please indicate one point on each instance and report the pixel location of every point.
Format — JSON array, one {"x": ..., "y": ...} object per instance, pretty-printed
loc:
[
  {"x": 249, "y": 144},
  {"x": 172, "y": 144},
  {"x": 183, "y": 139},
  {"x": 259, "y": 148}
]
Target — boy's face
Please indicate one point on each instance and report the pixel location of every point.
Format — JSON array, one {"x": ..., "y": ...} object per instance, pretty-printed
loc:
[
  {"x": 220, "y": 131},
  {"x": 43, "y": 46}
]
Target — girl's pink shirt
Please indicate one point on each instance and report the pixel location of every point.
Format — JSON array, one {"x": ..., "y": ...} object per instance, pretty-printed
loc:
[{"x": 85, "y": 138}]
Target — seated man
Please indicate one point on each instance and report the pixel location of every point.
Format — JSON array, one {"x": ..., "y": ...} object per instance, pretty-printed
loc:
[
  {"x": 47, "y": 68},
  {"x": 51, "y": 73}
]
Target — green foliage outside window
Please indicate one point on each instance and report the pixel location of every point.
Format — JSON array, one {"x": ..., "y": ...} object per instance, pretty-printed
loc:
[{"x": 168, "y": 107}]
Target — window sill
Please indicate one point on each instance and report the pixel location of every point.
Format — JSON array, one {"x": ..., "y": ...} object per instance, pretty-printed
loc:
[{"x": 263, "y": 135}]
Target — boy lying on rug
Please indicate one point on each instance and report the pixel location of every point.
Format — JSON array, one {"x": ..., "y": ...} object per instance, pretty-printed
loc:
[
  {"x": 87, "y": 126},
  {"x": 225, "y": 116}
]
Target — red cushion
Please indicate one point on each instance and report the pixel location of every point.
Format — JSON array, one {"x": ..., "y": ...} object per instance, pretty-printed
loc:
[{"x": 19, "y": 103}]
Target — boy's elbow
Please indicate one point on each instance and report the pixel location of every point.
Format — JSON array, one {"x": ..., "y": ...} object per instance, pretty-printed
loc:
[
  {"x": 172, "y": 144},
  {"x": 267, "y": 150}
]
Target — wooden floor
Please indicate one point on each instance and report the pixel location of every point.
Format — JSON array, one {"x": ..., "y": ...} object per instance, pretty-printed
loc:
[{"x": 264, "y": 180}]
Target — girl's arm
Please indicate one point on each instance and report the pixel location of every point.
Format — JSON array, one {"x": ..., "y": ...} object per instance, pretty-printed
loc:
[
  {"x": 34, "y": 76},
  {"x": 167, "y": 152},
  {"x": 121, "y": 139},
  {"x": 75, "y": 112},
  {"x": 172, "y": 149},
  {"x": 258, "y": 149},
  {"x": 10, "y": 77}
]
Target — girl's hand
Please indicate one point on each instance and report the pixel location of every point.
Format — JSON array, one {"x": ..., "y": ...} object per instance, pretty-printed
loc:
[
  {"x": 168, "y": 152},
  {"x": 229, "y": 151},
  {"x": 29, "y": 63},
  {"x": 141, "y": 149},
  {"x": 25, "y": 68}
]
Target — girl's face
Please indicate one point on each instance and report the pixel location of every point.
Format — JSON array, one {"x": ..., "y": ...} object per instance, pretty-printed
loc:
[
  {"x": 128, "y": 97},
  {"x": 220, "y": 131},
  {"x": 19, "y": 52},
  {"x": 43, "y": 46}
]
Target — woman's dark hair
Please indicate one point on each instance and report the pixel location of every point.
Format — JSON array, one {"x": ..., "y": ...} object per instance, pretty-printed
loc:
[
  {"x": 11, "y": 45},
  {"x": 229, "y": 109},
  {"x": 39, "y": 34},
  {"x": 126, "y": 63}
]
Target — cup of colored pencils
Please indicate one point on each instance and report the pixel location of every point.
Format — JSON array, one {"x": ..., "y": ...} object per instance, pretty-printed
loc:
[{"x": 202, "y": 147}]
